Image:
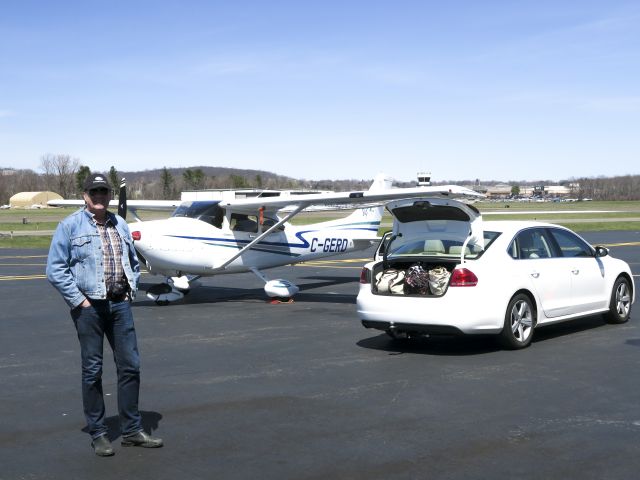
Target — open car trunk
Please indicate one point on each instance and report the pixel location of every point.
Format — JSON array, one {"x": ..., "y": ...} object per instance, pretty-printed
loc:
[
  {"x": 415, "y": 277},
  {"x": 430, "y": 237}
]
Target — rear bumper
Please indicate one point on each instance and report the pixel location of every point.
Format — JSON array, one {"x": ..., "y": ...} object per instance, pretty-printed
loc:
[
  {"x": 412, "y": 328},
  {"x": 459, "y": 311}
]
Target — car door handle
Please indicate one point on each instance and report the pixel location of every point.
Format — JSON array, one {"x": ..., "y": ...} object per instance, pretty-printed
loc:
[{"x": 535, "y": 274}]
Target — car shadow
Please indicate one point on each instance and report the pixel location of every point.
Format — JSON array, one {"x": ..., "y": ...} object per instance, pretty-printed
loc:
[
  {"x": 150, "y": 423},
  {"x": 549, "y": 332},
  {"x": 443, "y": 345},
  {"x": 478, "y": 344}
]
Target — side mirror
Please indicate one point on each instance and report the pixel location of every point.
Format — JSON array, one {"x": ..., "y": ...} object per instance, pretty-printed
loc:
[{"x": 601, "y": 251}]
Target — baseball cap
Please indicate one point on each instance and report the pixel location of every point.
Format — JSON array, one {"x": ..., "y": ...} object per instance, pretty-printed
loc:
[{"x": 96, "y": 180}]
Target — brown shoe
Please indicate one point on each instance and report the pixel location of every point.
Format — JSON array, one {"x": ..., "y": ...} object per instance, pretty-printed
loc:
[
  {"x": 102, "y": 446},
  {"x": 141, "y": 439}
]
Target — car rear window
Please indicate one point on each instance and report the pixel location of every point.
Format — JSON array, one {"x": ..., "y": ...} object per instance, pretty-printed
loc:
[
  {"x": 423, "y": 210},
  {"x": 433, "y": 247}
]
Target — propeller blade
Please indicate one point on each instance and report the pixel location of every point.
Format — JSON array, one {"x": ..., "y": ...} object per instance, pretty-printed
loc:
[{"x": 122, "y": 199}]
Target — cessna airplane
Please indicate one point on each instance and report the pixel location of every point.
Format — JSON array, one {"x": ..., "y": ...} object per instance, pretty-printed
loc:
[{"x": 214, "y": 237}]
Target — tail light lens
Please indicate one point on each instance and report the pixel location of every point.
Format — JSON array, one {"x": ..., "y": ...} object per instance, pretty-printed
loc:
[
  {"x": 365, "y": 275},
  {"x": 136, "y": 235},
  {"x": 463, "y": 277}
]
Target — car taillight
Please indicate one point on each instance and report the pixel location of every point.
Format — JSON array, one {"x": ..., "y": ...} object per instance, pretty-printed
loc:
[
  {"x": 365, "y": 275},
  {"x": 136, "y": 235},
  {"x": 463, "y": 277}
]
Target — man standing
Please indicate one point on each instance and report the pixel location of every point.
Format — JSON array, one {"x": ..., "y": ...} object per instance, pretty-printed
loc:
[{"x": 93, "y": 265}]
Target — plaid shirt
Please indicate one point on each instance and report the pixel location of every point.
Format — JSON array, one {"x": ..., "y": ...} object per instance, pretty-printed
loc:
[{"x": 114, "y": 277}]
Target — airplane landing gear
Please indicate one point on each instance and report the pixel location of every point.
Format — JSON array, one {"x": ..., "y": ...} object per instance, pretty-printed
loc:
[{"x": 278, "y": 289}]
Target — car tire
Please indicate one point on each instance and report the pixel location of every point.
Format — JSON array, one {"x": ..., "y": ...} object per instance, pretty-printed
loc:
[
  {"x": 519, "y": 321},
  {"x": 620, "y": 303}
]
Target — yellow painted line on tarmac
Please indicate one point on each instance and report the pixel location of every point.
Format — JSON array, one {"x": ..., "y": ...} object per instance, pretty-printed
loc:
[
  {"x": 23, "y": 256},
  {"x": 626, "y": 244},
  {"x": 21, "y": 277},
  {"x": 23, "y": 264},
  {"x": 334, "y": 263},
  {"x": 344, "y": 260},
  {"x": 326, "y": 266}
]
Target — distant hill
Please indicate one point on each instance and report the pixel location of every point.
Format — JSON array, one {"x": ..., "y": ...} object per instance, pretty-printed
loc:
[{"x": 220, "y": 172}]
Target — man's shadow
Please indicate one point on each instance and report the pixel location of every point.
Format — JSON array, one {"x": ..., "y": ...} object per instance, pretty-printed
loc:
[{"x": 150, "y": 422}]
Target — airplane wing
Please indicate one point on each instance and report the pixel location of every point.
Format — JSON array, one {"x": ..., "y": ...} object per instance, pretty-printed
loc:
[
  {"x": 161, "y": 205},
  {"x": 249, "y": 206}
]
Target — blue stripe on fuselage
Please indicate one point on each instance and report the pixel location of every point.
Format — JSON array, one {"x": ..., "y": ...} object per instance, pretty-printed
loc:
[{"x": 303, "y": 242}]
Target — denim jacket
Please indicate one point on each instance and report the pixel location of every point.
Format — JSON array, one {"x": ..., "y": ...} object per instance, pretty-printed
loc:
[{"x": 74, "y": 265}]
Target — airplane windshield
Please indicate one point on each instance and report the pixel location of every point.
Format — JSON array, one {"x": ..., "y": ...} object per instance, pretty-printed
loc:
[{"x": 207, "y": 211}]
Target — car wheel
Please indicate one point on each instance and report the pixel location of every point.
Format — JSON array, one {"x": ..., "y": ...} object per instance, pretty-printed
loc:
[
  {"x": 518, "y": 323},
  {"x": 620, "y": 303}
]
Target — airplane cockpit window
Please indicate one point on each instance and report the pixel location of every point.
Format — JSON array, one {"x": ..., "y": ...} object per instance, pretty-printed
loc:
[
  {"x": 243, "y": 223},
  {"x": 270, "y": 222},
  {"x": 207, "y": 211}
]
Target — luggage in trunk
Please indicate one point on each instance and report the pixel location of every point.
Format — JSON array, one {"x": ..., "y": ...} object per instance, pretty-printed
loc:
[{"x": 412, "y": 278}]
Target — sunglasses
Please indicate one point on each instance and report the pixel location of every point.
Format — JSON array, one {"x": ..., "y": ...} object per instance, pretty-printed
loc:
[{"x": 98, "y": 191}]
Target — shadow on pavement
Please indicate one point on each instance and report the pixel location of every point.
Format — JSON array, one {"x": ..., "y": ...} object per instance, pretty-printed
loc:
[{"x": 150, "y": 423}]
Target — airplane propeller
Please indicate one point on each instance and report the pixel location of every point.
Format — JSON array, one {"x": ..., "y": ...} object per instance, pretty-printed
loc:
[{"x": 122, "y": 199}]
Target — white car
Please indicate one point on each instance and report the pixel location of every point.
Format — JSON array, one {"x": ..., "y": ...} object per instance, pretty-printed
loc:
[{"x": 442, "y": 270}]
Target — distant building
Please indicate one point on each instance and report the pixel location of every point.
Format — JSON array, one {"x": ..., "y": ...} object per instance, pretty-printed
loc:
[
  {"x": 501, "y": 190},
  {"x": 504, "y": 190},
  {"x": 424, "y": 179},
  {"x": 31, "y": 199}
]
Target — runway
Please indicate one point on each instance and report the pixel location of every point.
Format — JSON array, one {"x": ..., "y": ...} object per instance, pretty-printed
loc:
[{"x": 240, "y": 389}]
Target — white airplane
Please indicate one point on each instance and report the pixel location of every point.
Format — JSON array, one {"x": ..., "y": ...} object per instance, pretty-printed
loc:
[{"x": 212, "y": 237}]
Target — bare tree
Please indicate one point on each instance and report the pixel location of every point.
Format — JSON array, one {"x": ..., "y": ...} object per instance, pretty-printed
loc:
[{"x": 59, "y": 172}]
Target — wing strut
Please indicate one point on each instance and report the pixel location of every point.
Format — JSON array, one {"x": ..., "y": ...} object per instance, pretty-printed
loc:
[{"x": 248, "y": 246}]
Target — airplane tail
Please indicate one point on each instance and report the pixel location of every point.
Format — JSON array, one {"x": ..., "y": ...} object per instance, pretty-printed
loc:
[{"x": 381, "y": 182}]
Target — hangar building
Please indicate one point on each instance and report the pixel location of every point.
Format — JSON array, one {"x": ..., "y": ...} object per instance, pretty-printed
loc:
[{"x": 28, "y": 199}]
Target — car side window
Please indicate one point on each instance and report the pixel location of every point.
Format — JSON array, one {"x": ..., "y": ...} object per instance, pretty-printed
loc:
[
  {"x": 530, "y": 244},
  {"x": 570, "y": 245}
]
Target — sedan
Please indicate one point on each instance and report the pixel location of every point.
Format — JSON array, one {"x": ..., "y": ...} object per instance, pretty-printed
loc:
[{"x": 442, "y": 270}]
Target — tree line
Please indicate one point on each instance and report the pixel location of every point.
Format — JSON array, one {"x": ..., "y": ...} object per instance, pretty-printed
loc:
[{"x": 65, "y": 175}]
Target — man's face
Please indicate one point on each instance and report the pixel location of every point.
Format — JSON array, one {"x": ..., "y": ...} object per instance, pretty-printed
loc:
[{"x": 97, "y": 200}]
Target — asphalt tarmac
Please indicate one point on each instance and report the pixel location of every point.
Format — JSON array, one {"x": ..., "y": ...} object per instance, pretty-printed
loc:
[{"x": 241, "y": 389}]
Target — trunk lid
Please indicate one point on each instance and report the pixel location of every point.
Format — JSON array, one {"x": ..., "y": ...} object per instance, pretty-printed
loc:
[{"x": 433, "y": 227}]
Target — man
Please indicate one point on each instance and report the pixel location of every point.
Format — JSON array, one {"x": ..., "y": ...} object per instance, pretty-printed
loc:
[{"x": 93, "y": 265}]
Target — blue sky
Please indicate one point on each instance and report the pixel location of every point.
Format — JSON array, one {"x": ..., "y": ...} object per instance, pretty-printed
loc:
[{"x": 503, "y": 90}]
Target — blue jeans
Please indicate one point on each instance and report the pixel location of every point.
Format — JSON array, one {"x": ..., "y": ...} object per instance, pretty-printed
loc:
[{"x": 115, "y": 321}]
